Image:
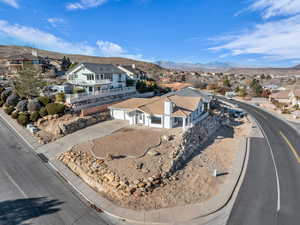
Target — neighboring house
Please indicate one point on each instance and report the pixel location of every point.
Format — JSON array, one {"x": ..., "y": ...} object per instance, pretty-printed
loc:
[
  {"x": 96, "y": 77},
  {"x": 161, "y": 112},
  {"x": 132, "y": 72},
  {"x": 18, "y": 62},
  {"x": 294, "y": 97},
  {"x": 281, "y": 96}
]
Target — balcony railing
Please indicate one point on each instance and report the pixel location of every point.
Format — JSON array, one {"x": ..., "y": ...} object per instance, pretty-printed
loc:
[{"x": 71, "y": 98}]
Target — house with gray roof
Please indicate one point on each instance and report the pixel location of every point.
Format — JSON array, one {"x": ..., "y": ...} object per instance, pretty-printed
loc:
[{"x": 96, "y": 77}]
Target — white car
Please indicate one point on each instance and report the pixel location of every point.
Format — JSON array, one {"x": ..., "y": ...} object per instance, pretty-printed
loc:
[{"x": 33, "y": 129}]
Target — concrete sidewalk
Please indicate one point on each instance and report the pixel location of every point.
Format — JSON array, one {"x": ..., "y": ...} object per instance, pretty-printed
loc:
[
  {"x": 214, "y": 211},
  {"x": 63, "y": 144}
]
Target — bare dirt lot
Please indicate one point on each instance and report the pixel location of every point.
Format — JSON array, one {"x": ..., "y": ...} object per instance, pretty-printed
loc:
[{"x": 126, "y": 142}]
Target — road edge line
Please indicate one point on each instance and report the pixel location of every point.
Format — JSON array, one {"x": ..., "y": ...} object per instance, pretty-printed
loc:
[{"x": 274, "y": 163}]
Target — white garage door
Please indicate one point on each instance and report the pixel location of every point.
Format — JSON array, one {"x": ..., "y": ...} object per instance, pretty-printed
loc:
[{"x": 118, "y": 114}]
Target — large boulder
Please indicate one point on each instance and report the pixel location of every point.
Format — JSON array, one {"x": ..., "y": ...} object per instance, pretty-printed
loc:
[
  {"x": 22, "y": 106},
  {"x": 5, "y": 94},
  {"x": 34, "y": 105},
  {"x": 12, "y": 100}
]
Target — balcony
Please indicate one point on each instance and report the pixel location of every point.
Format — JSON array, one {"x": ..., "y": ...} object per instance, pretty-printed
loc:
[
  {"x": 74, "y": 98},
  {"x": 90, "y": 82}
]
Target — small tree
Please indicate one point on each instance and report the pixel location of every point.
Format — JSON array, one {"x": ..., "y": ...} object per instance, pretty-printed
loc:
[{"x": 28, "y": 84}]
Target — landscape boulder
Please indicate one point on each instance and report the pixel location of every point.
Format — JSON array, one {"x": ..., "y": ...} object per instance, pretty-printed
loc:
[
  {"x": 22, "y": 106},
  {"x": 5, "y": 94},
  {"x": 34, "y": 105},
  {"x": 12, "y": 100}
]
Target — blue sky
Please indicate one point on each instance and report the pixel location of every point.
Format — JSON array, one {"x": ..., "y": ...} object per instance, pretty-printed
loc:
[{"x": 245, "y": 32}]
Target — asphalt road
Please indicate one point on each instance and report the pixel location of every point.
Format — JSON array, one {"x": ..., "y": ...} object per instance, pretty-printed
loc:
[
  {"x": 31, "y": 193},
  {"x": 260, "y": 201}
]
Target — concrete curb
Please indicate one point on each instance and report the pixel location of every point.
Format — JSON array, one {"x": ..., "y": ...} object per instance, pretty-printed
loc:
[{"x": 161, "y": 216}]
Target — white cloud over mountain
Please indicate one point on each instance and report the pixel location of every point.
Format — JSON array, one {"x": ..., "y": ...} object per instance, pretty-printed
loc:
[{"x": 42, "y": 39}]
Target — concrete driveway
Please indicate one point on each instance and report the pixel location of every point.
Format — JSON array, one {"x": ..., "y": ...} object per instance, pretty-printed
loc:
[{"x": 63, "y": 144}]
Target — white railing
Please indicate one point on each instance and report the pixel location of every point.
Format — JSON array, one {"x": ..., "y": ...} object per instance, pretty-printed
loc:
[
  {"x": 70, "y": 98},
  {"x": 90, "y": 82}
]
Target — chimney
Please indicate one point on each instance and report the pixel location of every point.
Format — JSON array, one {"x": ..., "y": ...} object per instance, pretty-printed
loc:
[{"x": 168, "y": 107}]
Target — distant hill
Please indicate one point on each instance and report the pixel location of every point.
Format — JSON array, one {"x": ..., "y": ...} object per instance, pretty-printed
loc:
[
  {"x": 211, "y": 67},
  {"x": 297, "y": 67},
  {"x": 8, "y": 50},
  {"x": 271, "y": 71}
]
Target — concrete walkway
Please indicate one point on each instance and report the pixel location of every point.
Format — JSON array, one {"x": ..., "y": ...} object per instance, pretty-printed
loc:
[
  {"x": 63, "y": 144},
  {"x": 214, "y": 211}
]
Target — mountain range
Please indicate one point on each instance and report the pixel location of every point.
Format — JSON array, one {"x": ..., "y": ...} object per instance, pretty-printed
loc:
[{"x": 211, "y": 66}]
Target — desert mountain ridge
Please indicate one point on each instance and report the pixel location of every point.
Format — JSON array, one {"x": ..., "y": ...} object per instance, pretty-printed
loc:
[{"x": 10, "y": 50}]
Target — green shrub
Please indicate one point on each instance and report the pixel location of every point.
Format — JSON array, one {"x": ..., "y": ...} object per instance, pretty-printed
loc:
[
  {"x": 78, "y": 90},
  {"x": 44, "y": 100},
  {"x": 60, "y": 97},
  {"x": 15, "y": 115},
  {"x": 1, "y": 103},
  {"x": 34, "y": 116},
  {"x": 55, "y": 108},
  {"x": 23, "y": 119},
  {"x": 1, "y": 89},
  {"x": 43, "y": 112},
  {"x": 8, "y": 110}
]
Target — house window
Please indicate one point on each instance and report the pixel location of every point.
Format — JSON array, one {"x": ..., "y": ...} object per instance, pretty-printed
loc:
[
  {"x": 97, "y": 77},
  {"x": 155, "y": 120},
  {"x": 102, "y": 76}
]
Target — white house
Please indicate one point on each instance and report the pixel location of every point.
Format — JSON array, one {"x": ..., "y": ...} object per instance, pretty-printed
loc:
[
  {"x": 294, "y": 97},
  {"x": 96, "y": 77},
  {"x": 161, "y": 112},
  {"x": 132, "y": 72}
]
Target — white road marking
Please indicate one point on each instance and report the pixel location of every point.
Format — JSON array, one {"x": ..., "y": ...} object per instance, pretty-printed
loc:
[{"x": 15, "y": 184}]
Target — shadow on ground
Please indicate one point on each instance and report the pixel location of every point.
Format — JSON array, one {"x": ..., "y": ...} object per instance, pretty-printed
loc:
[{"x": 18, "y": 211}]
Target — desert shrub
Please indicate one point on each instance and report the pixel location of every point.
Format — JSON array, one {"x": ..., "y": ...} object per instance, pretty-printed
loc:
[
  {"x": 60, "y": 97},
  {"x": 44, "y": 100},
  {"x": 1, "y": 89},
  {"x": 9, "y": 109},
  {"x": 15, "y": 115},
  {"x": 43, "y": 112},
  {"x": 1, "y": 103},
  {"x": 34, "y": 116},
  {"x": 23, "y": 119},
  {"x": 286, "y": 111},
  {"x": 55, "y": 108}
]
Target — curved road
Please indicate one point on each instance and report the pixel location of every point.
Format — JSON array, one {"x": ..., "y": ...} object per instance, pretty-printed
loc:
[
  {"x": 270, "y": 193},
  {"x": 31, "y": 193}
]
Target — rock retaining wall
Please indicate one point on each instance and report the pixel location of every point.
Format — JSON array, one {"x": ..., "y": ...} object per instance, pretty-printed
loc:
[{"x": 192, "y": 139}]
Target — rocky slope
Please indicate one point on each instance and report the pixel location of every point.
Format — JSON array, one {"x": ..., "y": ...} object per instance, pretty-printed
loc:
[{"x": 9, "y": 50}]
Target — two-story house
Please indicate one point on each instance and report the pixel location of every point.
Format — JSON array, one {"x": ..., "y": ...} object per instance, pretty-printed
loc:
[{"x": 96, "y": 77}]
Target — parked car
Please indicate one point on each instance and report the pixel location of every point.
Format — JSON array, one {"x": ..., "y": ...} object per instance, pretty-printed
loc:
[{"x": 33, "y": 129}]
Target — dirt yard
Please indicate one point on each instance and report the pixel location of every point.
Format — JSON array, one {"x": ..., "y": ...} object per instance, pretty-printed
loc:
[
  {"x": 127, "y": 142},
  {"x": 136, "y": 183}
]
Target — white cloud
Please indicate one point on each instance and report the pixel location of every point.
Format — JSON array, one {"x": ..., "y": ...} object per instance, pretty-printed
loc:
[
  {"x": 274, "y": 40},
  {"x": 85, "y": 4},
  {"x": 109, "y": 48},
  {"x": 55, "y": 22},
  {"x": 272, "y": 8},
  {"x": 12, "y": 3},
  {"x": 42, "y": 39}
]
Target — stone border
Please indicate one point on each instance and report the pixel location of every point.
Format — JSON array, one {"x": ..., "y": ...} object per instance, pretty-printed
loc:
[{"x": 160, "y": 216}]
